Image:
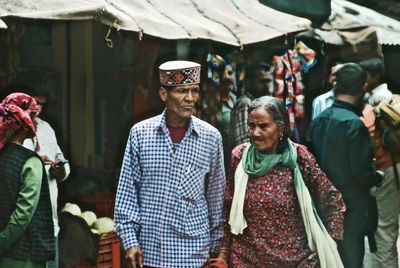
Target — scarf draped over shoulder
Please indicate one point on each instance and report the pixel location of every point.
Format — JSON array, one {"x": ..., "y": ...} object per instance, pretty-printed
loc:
[{"x": 255, "y": 163}]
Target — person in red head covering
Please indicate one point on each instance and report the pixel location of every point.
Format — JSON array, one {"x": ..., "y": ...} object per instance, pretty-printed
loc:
[
  {"x": 16, "y": 118},
  {"x": 26, "y": 227}
]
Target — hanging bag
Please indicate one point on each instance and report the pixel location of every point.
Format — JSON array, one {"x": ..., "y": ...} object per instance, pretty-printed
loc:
[{"x": 387, "y": 124}]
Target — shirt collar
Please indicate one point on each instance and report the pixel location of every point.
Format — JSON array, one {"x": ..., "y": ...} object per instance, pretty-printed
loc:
[
  {"x": 382, "y": 86},
  {"x": 330, "y": 94},
  {"x": 193, "y": 124},
  {"x": 347, "y": 106}
]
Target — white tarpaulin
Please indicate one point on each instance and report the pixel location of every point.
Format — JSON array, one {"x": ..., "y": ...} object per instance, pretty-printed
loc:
[
  {"x": 54, "y": 9},
  {"x": 346, "y": 15},
  {"x": 234, "y": 22}
]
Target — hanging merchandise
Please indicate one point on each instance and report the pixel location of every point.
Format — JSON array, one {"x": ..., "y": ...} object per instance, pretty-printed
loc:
[
  {"x": 306, "y": 56},
  {"x": 288, "y": 84},
  {"x": 215, "y": 68},
  {"x": 210, "y": 101}
]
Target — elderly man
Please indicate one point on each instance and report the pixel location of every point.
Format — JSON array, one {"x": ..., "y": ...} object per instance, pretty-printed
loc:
[{"x": 169, "y": 201}]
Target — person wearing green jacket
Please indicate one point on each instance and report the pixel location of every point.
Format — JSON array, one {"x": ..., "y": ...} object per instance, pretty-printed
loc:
[{"x": 26, "y": 228}]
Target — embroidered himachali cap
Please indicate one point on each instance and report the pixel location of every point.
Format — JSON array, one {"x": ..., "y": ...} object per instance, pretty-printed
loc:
[{"x": 174, "y": 73}]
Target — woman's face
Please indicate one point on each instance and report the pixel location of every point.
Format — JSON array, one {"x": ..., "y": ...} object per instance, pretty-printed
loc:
[{"x": 263, "y": 131}]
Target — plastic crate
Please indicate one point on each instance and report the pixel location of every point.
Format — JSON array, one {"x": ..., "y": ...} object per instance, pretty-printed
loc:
[{"x": 109, "y": 254}]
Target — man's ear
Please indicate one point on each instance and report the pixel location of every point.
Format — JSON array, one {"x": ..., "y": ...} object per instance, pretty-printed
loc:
[
  {"x": 365, "y": 87},
  {"x": 163, "y": 94}
]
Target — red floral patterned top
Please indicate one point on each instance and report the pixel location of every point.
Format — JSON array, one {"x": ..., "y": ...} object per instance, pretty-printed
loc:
[{"x": 275, "y": 235}]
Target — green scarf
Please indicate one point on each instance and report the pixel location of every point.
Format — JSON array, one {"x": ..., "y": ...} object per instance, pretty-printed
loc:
[{"x": 259, "y": 163}]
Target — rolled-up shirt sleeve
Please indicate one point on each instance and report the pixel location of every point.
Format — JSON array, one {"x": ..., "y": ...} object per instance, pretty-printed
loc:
[
  {"x": 215, "y": 196},
  {"x": 27, "y": 201},
  {"x": 127, "y": 211}
]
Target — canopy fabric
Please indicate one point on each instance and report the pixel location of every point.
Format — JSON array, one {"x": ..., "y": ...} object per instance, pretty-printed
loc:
[
  {"x": 234, "y": 22},
  {"x": 346, "y": 15},
  {"x": 317, "y": 11},
  {"x": 54, "y": 9}
]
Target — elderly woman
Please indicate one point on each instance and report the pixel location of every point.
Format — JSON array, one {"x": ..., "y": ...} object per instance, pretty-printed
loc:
[
  {"x": 26, "y": 225},
  {"x": 271, "y": 191}
]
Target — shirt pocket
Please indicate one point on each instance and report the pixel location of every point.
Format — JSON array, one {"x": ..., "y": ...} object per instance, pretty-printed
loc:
[
  {"x": 191, "y": 184},
  {"x": 190, "y": 216}
]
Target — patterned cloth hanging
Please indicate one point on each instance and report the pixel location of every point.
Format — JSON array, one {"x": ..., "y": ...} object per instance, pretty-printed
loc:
[
  {"x": 288, "y": 84},
  {"x": 210, "y": 98}
]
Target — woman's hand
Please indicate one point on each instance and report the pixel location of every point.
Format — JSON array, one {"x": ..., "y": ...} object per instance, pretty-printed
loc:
[
  {"x": 221, "y": 261},
  {"x": 224, "y": 254},
  {"x": 216, "y": 263},
  {"x": 135, "y": 257}
]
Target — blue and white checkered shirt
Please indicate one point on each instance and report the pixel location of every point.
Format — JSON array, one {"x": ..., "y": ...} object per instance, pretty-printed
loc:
[{"x": 170, "y": 203}]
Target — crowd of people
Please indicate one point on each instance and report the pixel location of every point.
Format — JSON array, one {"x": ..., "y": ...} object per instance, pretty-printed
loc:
[
  {"x": 239, "y": 194},
  {"x": 284, "y": 204}
]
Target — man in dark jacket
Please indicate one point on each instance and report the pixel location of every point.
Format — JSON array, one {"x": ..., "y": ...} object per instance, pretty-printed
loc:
[{"x": 343, "y": 149}]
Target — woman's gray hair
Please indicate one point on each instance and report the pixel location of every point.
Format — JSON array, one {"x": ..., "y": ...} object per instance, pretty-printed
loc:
[{"x": 276, "y": 109}]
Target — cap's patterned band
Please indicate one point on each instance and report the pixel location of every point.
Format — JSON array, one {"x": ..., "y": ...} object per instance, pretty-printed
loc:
[{"x": 180, "y": 77}]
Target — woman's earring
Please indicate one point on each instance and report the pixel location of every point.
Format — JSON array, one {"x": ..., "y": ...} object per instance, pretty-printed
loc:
[{"x": 281, "y": 137}]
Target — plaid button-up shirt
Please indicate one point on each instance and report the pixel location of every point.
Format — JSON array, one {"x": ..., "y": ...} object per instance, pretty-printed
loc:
[
  {"x": 239, "y": 116},
  {"x": 170, "y": 202}
]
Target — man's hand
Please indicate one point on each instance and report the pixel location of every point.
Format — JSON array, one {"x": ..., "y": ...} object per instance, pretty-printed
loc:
[
  {"x": 135, "y": 257},
  {"x": 57, "y": 171},
  {"x": 46, "y": 160}
]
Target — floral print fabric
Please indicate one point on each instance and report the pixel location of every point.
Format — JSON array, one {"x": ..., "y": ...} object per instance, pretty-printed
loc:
[{"x": 275, "y": 236}]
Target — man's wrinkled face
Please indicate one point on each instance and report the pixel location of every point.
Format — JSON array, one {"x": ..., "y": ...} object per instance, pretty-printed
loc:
[{"x": 180, "y": 100}]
